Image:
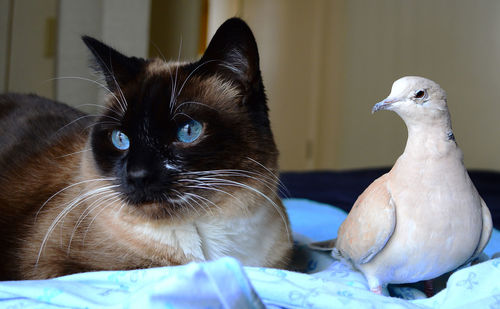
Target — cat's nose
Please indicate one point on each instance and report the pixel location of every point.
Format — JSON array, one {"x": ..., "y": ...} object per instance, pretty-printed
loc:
[{"x": 138, "y": 177}]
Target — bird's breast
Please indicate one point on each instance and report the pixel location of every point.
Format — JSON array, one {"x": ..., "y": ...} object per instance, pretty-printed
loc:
[{"x": 438, "y": 222}]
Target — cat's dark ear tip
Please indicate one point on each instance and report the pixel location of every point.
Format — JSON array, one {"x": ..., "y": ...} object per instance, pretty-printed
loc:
[
  {"x": 87, "y": 39},
  {"x": 236, "y": 23},
  {"x": 91, "y": 42}
]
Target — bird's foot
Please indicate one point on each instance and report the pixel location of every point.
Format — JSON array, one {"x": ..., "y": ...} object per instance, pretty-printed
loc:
[
  {"x": 377, "y": 290},
  {"x": 428, "y": 288}
]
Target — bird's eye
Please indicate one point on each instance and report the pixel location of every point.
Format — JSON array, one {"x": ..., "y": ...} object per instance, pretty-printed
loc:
[
  {"x": 419, "y": 94},
  {"x": 120, "y": 140},
  {"x": 189, "y": 131}
]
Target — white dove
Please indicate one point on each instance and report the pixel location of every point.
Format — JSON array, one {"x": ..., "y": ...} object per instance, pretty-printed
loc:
[{"x": 424, "y": 217}]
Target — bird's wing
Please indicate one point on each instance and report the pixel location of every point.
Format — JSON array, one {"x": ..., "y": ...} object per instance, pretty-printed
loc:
[
  {"x": 486, "y": 232},
  {"x": 369, "y": 225}
]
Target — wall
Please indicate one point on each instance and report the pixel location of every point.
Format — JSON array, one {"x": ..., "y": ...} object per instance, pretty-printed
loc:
[
  {"x": 455, "y": 43},
  {"x": 122, "y": 24},
  {"x": 29, "y": 51},
  {"x": 5, "y": 6},
  {"x": 326, "y": 63},
  {"x": 175, "y": 29}
]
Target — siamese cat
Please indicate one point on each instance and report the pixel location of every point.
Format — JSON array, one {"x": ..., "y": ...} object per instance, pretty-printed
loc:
[{"x": 181, "y": 166}]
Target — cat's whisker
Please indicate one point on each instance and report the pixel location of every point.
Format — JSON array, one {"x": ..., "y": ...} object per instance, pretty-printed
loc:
[
  {"x": 172, "y": 91},
  {"x": 116, "y": 121},
  {"x": 191, "y": 197},
  {"x": 103, "y": 86},
  {"x": 67, "y": 209},
  {"x": 180, "y": 196},
  {"x": 204, "y": 203},
  {"x": 269, "y": 182},
  {"x": 73, "y": 153},
  {"x": 192, "y": 102},
  {"x": 117, "y": 114},
  {"x": 89, "y": 208},
  {"x": 123, "y": 204},
  {"x": 68, "y": 187},
  {"x": 206, "y": 209},
  {"x": 102, "y": 123},
  {"x": 109, "y": 203},
  {"x": 79, "y": 199},
  {"x": 99, "y": 106},
  {"x": 227, "y": 182},
  {"x": 122, "y": 104},
  {"x": 283, "y": 189},
  {"x": 191, "y": 74},
  {"x": 108, "y": 195},
  {"x": 173, "y": 97},
  {"x": 184, "y": 199},
  {"x": 159, "y": 51},
  {"x": 205, "y": 186},
  {"x": 186, "y": 115},
  {"x": 175, "y": 112},
  {"x": 76, "y": 120}
]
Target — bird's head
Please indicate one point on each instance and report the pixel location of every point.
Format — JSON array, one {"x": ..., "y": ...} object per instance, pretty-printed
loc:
[{"x": 417, "y": 99}]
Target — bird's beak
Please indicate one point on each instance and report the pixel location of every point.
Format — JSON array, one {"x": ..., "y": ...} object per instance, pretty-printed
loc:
[{"x": 385, "y": 104}]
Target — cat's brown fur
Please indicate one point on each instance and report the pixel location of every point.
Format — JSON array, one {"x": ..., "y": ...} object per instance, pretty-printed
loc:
[{"x": 50, "y": 227}]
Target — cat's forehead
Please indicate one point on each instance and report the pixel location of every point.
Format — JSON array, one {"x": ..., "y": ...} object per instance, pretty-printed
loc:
[
  {"x": 157, "y": 66},
  {"x": 186, "y": 83}
]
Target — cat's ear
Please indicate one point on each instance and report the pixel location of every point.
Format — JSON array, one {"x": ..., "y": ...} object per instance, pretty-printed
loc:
[
  {"x": 233, "y": 52},
  {"x": 117, "y": 68}
]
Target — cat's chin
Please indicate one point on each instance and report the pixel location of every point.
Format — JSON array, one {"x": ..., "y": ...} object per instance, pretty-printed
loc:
[{"x": 171, "y": 209}]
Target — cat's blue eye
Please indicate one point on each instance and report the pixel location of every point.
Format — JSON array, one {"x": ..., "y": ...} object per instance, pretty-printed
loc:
[
  {"x": 189, "y": 131},
  {"x": 120, "y": 140}
]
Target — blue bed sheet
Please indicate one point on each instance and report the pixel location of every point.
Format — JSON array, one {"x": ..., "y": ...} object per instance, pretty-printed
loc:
[{"x": 325, "y": 283}]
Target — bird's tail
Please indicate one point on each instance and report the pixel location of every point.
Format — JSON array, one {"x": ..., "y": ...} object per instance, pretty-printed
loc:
[{"x": 326, "y": 245}]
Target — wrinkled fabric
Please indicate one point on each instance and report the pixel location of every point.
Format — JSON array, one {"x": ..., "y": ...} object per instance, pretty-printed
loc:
[{"x": 322, "y": 283}]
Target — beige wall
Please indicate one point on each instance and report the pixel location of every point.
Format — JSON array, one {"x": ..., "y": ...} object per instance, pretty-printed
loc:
[
  {"x": 175, "y": 29},
  {"x": 326, "y": 62},
  {"x": 4, "y": 42},
  {"x": 32, "y": 47},
  {"x": 122, "y": 24},
  {"x": 456, "y": 43}
]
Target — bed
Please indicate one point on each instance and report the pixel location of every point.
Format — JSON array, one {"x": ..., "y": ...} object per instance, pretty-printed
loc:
[{"x": 317, "y": 203}]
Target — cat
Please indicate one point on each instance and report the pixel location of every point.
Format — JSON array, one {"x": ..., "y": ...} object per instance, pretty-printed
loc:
[{"x": 181, "y": 166}]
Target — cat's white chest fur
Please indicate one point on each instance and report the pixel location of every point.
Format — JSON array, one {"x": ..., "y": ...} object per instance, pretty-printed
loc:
[{"x": 210, "y": 237}]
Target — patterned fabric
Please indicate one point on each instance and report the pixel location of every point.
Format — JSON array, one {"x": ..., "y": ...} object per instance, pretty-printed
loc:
[{"x": 319, "y": 282}]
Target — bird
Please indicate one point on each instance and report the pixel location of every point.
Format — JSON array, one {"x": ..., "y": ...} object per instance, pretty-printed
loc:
[{"x": 424, "y": 217}]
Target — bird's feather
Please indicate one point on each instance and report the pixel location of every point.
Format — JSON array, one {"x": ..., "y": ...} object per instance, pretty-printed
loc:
[{"x": 369, "y": 225}]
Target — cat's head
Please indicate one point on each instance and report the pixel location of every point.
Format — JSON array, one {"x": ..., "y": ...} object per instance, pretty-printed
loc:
[{"x": 181, "y": 138}]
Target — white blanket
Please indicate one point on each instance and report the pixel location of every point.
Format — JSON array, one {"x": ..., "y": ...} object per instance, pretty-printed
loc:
[{"x": 226, "y": 284}]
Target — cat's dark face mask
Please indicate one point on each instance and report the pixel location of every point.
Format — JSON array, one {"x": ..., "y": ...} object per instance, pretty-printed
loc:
[{"x": 180, "y": 138}]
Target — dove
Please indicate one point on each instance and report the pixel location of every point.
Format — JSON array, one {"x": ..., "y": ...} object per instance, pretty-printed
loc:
[{"x": 424, "y": 217}]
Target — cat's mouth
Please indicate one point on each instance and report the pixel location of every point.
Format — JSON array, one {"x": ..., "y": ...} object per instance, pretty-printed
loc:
[
  {"x": 165, "y": 203},
  {"x": 148, "y": 196}
]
